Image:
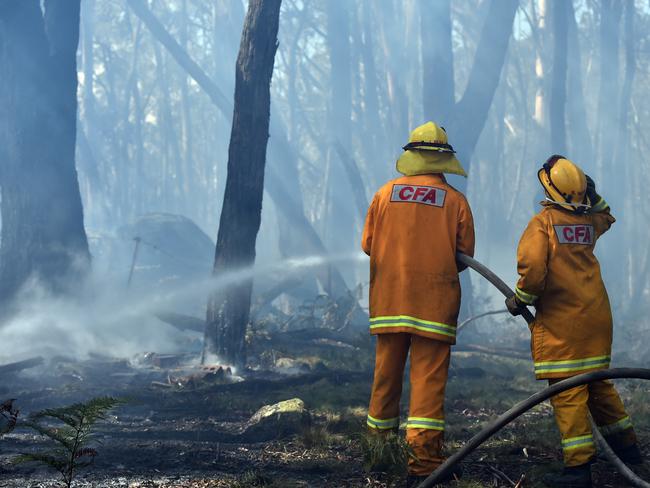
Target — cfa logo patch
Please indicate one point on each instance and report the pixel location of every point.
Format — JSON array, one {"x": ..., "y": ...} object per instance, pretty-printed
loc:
[
  {"x": 428, "y": 195},
  {"x": 575, "y": 234}
]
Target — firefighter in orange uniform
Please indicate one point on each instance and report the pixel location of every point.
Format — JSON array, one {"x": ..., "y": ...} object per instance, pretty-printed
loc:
[
  {"x": 572, "y": 332},
  {"x": 415, "y": 226}
]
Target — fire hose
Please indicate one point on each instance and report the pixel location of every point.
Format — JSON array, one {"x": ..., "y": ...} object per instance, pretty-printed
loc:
[{"x": 493, "y": 427}]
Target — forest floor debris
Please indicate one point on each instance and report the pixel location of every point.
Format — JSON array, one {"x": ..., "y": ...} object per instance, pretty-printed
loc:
[{"x": 189, "y": 435}]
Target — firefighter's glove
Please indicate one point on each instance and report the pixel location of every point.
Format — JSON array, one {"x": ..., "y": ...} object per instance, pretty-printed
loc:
[
  {"x": 515, "y": 306},
  {"x": 591, "y": 191}
]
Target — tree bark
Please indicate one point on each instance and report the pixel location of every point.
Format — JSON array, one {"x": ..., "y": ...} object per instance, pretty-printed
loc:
[
  {"x": 42, "y": 216},
  {"x": 560, "y": 11},
  {"x": 229, "y": 310}
]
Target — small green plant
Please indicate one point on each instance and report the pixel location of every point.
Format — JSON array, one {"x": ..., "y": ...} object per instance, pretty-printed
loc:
[
  {"x": 386, "y": 452},
  {"x": 8, "y": 416},
  {"x": 71, "y": 431}
]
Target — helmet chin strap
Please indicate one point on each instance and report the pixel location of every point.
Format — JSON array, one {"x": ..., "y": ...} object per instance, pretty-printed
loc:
[{"x": 575, "y": 205}]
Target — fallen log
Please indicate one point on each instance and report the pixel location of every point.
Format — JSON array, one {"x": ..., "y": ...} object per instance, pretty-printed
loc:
[{"x": 182, "y": 322}]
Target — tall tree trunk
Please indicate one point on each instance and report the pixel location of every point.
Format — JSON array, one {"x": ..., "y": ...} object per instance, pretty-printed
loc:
[
  {"x": 610, "y": 17},
  {"x": 539, "y": 30},
  {"x": 339, "y": 221},
  {"x": 438, "y": 88},
  {"x": 283, "y": 187},
  {"x": 473, "y": 108},
  {"x": 42, "y": 215},
  {"x": 560, "y": 11},
  {"x": 629, "y": 183},
  {"x": 228, "y": 310},
  {"x": 471, "y": 112},
  {"x": 579, "y": 136}
]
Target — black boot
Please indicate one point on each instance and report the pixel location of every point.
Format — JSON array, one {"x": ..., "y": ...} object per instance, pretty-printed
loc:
[
  {"x": 570, "y": 477},
  {"x": 630, "y": 455}
]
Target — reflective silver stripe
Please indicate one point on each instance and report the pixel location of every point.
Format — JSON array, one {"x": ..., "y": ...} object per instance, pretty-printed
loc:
[
  {"x": 382, "y": 423},
  {"x": 577, "y": 442},
  {"x": 413, "y": 323},
  {"x": 618, "y": 426},
  {"x": 601, "y": 205},
  {"x": 425, "y": 423},
  {"x": 572, "y": 365},
  {"x": 527, "y": 298}
]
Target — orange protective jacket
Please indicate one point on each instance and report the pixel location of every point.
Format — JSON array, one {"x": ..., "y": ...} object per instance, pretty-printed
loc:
[
  {"x": 414, "y": 227},
  {"x": 559, "y": 274}
]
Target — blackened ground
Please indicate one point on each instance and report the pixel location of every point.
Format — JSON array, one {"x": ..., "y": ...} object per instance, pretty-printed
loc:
[{"x": 176, "y": 432}]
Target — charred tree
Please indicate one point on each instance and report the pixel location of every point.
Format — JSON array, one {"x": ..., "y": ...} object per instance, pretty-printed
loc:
[
  {"x": 560, "y": 12},
  {"x": 42, "y": 217},
  {"x": 229, "y": 309}
]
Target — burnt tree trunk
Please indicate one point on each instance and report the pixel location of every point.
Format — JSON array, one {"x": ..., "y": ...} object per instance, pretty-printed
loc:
[
  {"x": 42, "y": 216},
  {"x": 560, "y": 12},
  {"x": 229, "y": 309}
]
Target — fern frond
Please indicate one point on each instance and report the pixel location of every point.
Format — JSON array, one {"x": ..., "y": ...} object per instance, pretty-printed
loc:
[{"x": 62, "y": 436}]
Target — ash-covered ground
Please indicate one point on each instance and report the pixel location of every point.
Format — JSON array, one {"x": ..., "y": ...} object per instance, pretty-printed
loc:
[{"x": 187, "y": 425}]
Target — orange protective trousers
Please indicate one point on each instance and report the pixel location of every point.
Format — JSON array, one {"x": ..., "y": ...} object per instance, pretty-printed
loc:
[
  {"x": 429, "y": 367},
  {"x": 572, "y": 408}
]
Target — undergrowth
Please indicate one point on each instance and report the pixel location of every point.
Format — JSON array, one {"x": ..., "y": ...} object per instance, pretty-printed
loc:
[
  {"x": 387, "y": 452},
  {"x": 68, "y": 432}
]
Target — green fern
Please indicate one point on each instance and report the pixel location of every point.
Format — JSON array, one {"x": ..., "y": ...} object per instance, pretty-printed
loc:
[{"x": 71, "y": 430}]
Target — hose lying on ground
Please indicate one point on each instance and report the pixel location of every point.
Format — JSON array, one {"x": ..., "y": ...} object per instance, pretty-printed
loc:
[
  {"x": 493, "y": 427},
  {"x": 611, "y": 456},
  {"x": 522, "y": 407}
]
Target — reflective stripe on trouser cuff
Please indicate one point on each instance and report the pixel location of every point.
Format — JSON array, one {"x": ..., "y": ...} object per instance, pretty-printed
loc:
[
  {"x": 618, "y": 426},
  {"x": 527, "y": 298},
  {"x": 577, "y": 442},
  {"x": 572, "y": 365},
  {"x": 413, "y": 323},
  {"x": 425, "y": 423},
  {"x": 382, "y": 424}
]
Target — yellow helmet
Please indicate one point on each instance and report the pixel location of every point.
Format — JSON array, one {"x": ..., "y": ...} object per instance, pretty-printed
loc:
[
  {"x": 429, "y": 151},
  {"x": 429, "y": 137},
  {"x": 565, "y": 183}
]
